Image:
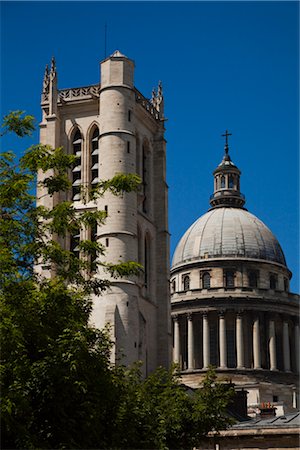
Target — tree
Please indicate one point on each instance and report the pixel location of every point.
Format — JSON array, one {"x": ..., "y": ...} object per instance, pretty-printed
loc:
[
  {"x": 58, "y": 387},
  {"x": 161, "y": 413}
]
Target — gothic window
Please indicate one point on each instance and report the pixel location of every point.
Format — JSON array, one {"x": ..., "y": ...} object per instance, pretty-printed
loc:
[
  {"x": 252, "y": 278},
  {"x": 147, "y": 261},
  {"x": 146, "y": 178},
  {"x": 229, "y": 278},
  {"x": 222, "y": 181},
  {"x": 230, "y": 182},
  {"x": 94, "y": 253},
  {"x": 273, "y": 281},
  {"x": 95, "y": 157},
  {"x": 206, "y": 280},
  {"x": 77, "y": 169},
  {"x": 186, "y": 283},
  {"x": 74, "y": 243}
]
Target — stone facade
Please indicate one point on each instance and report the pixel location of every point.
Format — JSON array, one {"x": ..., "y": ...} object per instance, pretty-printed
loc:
[
  {"x": 113, "y": 128},
  {"x": 231, "y": 305}
]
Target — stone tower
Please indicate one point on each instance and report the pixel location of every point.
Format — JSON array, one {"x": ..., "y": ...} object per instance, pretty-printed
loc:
[{"x": 113, "y": 128}]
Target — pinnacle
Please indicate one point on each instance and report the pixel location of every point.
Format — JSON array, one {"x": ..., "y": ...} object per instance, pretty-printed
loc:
[{"x": 118, "y": 54}]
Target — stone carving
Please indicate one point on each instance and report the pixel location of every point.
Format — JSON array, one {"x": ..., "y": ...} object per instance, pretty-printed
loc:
[
  {"x": 53, "y": 70},
  {"x": 79, "y": 93}
]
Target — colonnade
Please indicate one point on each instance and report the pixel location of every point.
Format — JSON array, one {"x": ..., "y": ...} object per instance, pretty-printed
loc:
[{"x": 240, "y": 324}]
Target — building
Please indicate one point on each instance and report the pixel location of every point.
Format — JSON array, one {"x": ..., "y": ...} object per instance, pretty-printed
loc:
[
  {"x": 113, "y": 128},
  {"x": 230, "y": 300},
  {"x": 270, "y": 433}
]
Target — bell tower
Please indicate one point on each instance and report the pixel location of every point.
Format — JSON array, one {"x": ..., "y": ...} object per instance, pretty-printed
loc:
[{"x": 114, "y": 129}]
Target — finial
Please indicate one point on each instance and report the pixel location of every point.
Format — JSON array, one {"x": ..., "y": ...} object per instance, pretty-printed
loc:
[
  {"x": 159, "y": 89},
  {"x": 226, "y": 148},
  {"x": 53, "y": 69},
  {"x": 46, "y": 80},
  {"x": 53, "y": 64},
  {"x": 160, "y": 98},
  {"x": 153, "y": 97}
]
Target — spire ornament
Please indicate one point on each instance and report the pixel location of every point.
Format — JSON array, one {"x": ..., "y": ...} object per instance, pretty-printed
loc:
[
  {"x": 226, "y": 148},
  {"x": 46, "y": 80},
  {"x": 53, "y": 69},
  {"x": 160, "y": 98}
]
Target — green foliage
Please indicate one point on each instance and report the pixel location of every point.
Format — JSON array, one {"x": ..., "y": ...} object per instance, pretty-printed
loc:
[
  {"x": 21, "y": 126},
  {"x": 58, "y": 387},
  {"x": 160, "y": 413}
]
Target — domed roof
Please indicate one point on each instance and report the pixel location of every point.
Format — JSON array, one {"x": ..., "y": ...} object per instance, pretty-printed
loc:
[{"x": 228, "y": 232}]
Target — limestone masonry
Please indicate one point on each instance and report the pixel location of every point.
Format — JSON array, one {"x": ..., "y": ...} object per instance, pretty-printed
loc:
[{"x": 113, "y": 128}]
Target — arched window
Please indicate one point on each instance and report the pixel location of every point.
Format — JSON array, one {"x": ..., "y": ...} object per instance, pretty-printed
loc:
[
  {"x": 74, "y": 243},
  {"x": 206, "y": 280},
  {"x": 146, "y": 174},
  {"x": 95, "y": 157},
  {"x": 252, "y": 278},
  {"x": 230, "y": 182},
  {"x": 273, "y": 281},
  {"x": 76, "y": 170},
  {"x": 229, "y": 278},
  {"x": 186, "y": 283},
  {"x": 222, "y": 181},
  {"x": 94, "y": 253},
  {"x": 147, "y": 261}
]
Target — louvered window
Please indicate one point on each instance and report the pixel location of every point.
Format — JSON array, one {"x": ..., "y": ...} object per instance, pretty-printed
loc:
[
  {"x": 95, "y": 158},
  {"x": 77, "y": 169}
]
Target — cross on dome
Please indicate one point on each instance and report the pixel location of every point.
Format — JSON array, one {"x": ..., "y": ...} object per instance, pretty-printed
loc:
[{"x": 226, "y": 140}]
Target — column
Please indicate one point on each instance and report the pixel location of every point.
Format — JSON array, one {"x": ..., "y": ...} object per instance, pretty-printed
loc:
[
  {"x": 272, "y": 346},
  {"x": 297, "y": 356},
  {"x": 240, "y": 357},
  {"x": 176, "y": 340},
  {"x": 256, "y": 344},
  {"x": 190, "y": 348},
  {"x": 206, "y": 350},
  {"x": 286, "y": 347},
  {"x": 222, "y": 340}
]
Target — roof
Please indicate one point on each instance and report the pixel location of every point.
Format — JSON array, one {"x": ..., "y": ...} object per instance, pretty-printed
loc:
[
  {"x": 228, "y": 232},
  {"x": 286, "y": 421}
]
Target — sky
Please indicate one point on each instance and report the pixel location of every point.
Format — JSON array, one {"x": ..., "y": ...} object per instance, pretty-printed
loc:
[{"x": 223, "y": 65}]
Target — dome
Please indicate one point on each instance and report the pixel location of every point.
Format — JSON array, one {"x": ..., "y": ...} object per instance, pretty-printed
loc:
[{"x": 228, "y": 232}]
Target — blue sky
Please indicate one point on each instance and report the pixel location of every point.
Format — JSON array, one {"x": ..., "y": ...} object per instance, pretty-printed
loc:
[{"x": 224, "y": 65}]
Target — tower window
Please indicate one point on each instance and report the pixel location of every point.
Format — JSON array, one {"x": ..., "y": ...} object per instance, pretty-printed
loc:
[
  {"x": 95, "y": 157},
  {"x": 74, "y": 243},
  {"x": 186, "y": 283},
  {"x": 286, "y": 284},
  {"x": 206, "y": 280},
  {"x": 128, "y": 147},
  {"x": 229, "y": 278},
  {"x": 146, "y": 261},
  {"x": 107, "y": 242},
  {"x": 94, "y": 253},
  {"x": 230, "y": 182},
  {"x": 76, "y": 169},
  {"x": 129, "y": 115},
  {"x": 252, "y": 278},
  {"x": 273, "y": 281},
  {"x": 222, "y": 181}
]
